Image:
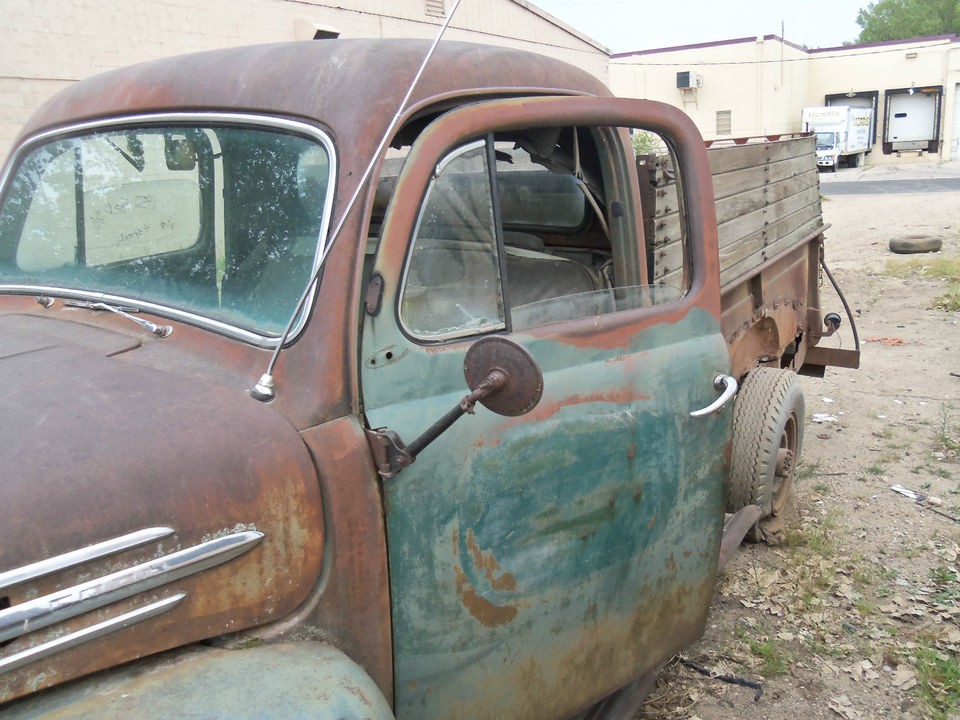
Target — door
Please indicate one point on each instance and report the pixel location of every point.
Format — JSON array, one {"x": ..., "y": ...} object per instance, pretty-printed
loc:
[
  {"x": 540, "y": 562},
  {"x": 912, "y": 120}
]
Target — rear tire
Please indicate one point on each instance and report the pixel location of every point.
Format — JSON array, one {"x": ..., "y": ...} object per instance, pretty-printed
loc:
[{"x": 767, "y": 439}]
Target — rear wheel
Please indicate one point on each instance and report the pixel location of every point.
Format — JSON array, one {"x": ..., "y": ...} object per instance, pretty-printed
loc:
[{"x": 767, "y": 439}]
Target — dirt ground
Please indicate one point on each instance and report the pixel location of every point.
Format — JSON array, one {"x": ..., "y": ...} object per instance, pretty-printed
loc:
[{"x": 850, "y": 615}]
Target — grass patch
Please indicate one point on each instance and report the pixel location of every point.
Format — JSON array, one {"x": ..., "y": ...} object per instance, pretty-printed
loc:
[
  {"x": 938, "y": 682},
  {"x": 773, "y": 659},
  {"x": 812, "y": 539},
  {"x": 934, "y": 268}
]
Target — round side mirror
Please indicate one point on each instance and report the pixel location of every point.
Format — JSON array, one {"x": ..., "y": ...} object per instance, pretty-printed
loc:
[{"x": 518, "y": 390}]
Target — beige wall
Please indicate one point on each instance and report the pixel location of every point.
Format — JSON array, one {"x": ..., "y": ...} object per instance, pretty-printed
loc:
[
  {"x": 53, "y": 43},
  {"x": 888, "y": 67},
  {"x": 766, "y": 84},
  {"x": 759, "y": 81}
]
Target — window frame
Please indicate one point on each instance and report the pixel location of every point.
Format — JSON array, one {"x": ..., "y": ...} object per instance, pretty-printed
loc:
[{"x": 695, "y": 194}]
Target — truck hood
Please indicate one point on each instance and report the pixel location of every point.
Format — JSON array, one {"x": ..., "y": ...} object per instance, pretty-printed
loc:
[{"x": 139, "y": 509}]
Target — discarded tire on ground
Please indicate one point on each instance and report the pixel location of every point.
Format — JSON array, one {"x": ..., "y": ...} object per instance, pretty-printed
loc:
[
  {"x": 767, "y": 439},
  {"x": 915, "y": 244}
]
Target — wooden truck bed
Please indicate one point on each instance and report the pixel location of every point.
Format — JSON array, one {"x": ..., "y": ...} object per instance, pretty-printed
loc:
[{"x": 770, "y": 231}]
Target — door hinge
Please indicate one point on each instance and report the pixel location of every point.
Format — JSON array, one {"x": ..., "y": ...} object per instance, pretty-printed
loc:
[{"x": 389, "y": 452}]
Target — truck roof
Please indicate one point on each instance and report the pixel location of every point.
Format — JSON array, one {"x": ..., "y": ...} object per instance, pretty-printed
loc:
[{"x": 354, "y": 87}]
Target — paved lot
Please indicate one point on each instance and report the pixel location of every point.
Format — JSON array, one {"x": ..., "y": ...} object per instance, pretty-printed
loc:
[
  {"x": 913, "y": 175},
  {"x": 896, "y": 185}
]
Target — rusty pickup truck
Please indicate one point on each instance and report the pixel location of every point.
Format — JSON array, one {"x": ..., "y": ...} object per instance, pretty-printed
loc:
[{"x": 311, "y": 412}]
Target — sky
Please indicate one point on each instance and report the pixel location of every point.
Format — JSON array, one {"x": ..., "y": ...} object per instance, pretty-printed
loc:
[{"x": 626, "y": 25}]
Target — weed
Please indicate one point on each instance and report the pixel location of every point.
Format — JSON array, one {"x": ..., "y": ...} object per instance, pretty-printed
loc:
[
  {"x": 941, "y": 268},
  {"x": 773, "y": 660},
  {"x": 821, "y": 488},
  {"x": 875, "y": 469},
  {"x": 861, "y": 572},
  {"x": 884, "y": 434},
  {"x": 948, "y": 433},
  {"x": 938, "y": 682},
  {"x": 805, "y": 471},
  {"x": 887, "y": 573},
  {"x": 949, "y": 301},
  {"x": 945, "y": 580},
  {"x": 942, "y": 575},
  {"x": 794, "y": 537}
]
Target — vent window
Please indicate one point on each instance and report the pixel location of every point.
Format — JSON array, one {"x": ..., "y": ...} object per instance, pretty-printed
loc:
[{"x": 435, "y": 8}]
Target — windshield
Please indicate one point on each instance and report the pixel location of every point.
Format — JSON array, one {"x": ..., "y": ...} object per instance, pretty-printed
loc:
[
  {"x": 198, "y": 221},
  {"x": 826, "y": 140}
]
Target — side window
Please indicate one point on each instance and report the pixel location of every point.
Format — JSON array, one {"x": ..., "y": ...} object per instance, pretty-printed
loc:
[
  {"x": 545, "y": 225},
  {"x": 452, "y": 283}
]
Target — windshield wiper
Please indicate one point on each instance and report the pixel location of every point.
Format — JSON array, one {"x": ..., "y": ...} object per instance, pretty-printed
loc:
[{"x": 123, "y": 311}]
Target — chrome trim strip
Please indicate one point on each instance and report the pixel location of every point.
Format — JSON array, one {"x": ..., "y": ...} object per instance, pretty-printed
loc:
[
  {"x": 166, "y": 311},
  {"x": 34, "y": 614},
  {"x": 78, "y": 557},
  {"x": 260, "y": 339},
  {"x": 38, "y": 652}
]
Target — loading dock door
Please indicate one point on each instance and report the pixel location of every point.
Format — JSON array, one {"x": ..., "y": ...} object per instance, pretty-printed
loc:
[{"x": 912, "y": 120}]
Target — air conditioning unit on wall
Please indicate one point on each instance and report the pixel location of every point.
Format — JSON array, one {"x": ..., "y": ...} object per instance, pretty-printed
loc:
[{"x": 687, "y": 80}]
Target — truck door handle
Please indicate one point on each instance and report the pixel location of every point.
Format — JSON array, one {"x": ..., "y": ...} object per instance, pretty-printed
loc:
[{"x": 721, "y": 382}]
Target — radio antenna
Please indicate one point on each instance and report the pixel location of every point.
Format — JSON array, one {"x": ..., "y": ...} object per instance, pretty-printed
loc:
[{"x": 264, "y": 389}]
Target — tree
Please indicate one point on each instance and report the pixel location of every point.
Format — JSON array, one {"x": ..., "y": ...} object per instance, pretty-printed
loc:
[{"x": 902, "y": 19}]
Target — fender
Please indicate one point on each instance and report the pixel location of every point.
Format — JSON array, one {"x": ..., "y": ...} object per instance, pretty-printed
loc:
[{"x": 284, "y": 680}]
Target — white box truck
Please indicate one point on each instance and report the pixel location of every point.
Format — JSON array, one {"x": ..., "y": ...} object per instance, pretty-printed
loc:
[{"x": 843, "y": 134}]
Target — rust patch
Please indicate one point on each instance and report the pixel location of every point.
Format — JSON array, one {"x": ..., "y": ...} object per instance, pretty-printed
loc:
[
  {"x": 489, "y": 565},
  {"x": 479, "y": 607}
]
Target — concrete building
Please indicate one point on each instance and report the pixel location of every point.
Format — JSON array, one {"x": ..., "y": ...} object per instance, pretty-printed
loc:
[
  {"x": 759, "y": 86},
  {"x": 733, "y": 88},
  {"x": 48, "y": 45}
]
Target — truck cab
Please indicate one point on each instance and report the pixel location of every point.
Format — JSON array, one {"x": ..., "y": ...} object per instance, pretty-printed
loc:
[
  {"x": 313, "y": 413},
  {"x": 828, "y": 149}
]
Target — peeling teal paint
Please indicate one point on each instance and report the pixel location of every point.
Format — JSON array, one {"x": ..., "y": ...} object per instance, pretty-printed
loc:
[{"x": 520, "y": 548}]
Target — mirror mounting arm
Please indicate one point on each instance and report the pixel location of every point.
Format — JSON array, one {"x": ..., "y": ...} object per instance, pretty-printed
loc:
[
  {"x": 390, "y": 452},
  {"x": 500, "y": 374}
]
